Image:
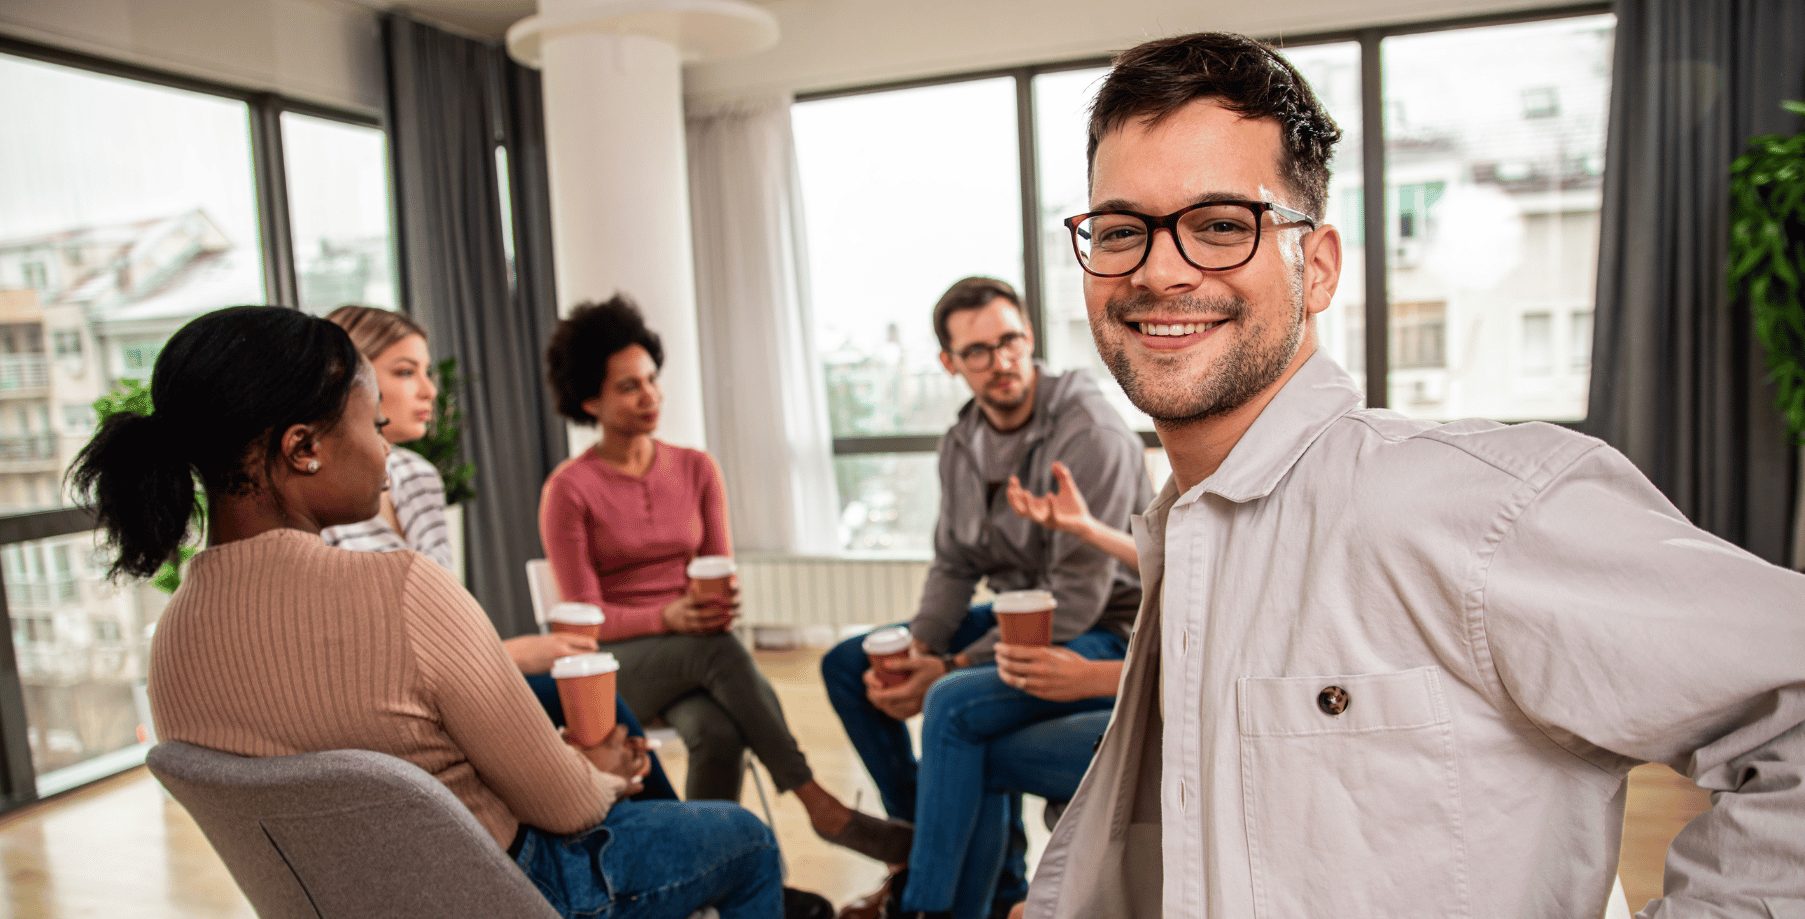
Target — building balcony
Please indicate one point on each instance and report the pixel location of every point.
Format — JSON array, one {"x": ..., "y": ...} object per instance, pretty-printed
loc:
[
  {"x": 42, "y": 595},
  {"x": 28, "y": 452},
  {"x": 24, "y": 375}
]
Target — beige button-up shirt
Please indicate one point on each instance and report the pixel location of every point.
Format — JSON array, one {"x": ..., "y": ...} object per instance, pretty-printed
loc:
[{"x": 1406, "y": 668}]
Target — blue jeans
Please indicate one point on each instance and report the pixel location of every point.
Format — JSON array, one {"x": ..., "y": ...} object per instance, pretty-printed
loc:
[
  {"x": 1046, "y": 759},
  {"x": 963, "y": 713},
  {"x": 657, "y": 784},
  {"x": 659, "y": 860}
]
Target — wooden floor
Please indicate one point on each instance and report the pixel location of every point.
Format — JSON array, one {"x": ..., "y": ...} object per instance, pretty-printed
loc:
[{"x": 120, "y": 848}]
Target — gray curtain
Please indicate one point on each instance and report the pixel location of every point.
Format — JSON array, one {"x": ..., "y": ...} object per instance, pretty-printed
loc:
[
  {"x": 451, "y": 102},
  {"x": 1678, "y": 379}
]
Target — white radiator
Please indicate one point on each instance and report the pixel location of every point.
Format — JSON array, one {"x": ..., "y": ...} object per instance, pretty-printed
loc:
[{"x": 809, "y": 593}]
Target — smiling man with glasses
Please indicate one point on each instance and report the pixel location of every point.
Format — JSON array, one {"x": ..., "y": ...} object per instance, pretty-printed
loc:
[
  {"x": 1385, "y": 667},
  {"x": 1021, "y": 418}
]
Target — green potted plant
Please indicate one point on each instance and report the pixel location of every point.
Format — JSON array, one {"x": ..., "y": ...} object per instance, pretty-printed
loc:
[
  {"x": 1767, "y": 257},
  {"x": 443, "y": 446},
  {"x": 443, "y": 442},
  {"x": 131, "y": 395}
]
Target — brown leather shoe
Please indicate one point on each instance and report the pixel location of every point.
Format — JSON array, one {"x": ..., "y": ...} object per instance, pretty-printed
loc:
[{"x": 873, "y": 905}]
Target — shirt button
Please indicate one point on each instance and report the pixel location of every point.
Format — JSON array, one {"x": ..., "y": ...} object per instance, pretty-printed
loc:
[
  {"x": 1333, "y": 700},
  {"x": 1184, "y": 642},
  {"x": 1181, "y": 796}
]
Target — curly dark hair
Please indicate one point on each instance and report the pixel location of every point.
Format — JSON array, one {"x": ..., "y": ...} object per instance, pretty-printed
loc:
[
  {"x": 1151, "y": 81},
  {"x": 576, "y": 360}
]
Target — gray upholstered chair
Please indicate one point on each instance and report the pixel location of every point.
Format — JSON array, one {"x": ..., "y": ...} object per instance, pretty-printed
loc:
[{"x": 345, "y": 834}]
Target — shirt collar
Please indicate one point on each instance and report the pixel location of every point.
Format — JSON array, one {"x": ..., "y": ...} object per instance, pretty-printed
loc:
[{"x": 1314, "y": 398}]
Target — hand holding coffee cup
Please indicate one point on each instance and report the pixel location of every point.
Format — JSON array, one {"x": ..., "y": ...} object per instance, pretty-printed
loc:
[
  {"x": 1025, "y": 617},
  {"x": 586, "y": 686},
  {"x": 712, "y": 581},
  {"x": 884, "y": 646}
]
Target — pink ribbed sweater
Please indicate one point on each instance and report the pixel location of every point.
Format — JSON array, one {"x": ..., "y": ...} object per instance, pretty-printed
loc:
[
  {"x": 279, "y": 644},
  {"x": 624, "y": 542}
]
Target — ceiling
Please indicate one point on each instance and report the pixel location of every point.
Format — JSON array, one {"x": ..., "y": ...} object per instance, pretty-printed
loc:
[{"x": 486, "y": 18}]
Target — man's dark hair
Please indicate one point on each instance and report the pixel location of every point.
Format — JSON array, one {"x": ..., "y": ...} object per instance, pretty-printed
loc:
[
  {"x": 969, "y": 294},
  {"x": 1150, "y": 82},
  {"x": 577, "y": 357}
]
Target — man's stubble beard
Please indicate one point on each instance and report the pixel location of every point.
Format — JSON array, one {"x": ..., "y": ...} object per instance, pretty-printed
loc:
[
  {"x": 1225, "y": 384},
  {"x": 1004, "y": 406}
]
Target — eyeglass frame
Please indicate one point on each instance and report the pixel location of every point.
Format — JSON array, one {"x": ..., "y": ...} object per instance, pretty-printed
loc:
[
  {"x": 1019, "y": 343},
  {"x": 1169, "y": 223}
]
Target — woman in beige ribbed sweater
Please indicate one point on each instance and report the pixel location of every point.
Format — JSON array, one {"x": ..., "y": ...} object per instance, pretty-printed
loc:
[{"x": 277, "y": 644}]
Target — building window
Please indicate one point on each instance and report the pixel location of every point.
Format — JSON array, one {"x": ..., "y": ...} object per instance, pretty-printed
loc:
[
  {"x": 78, "y": 419},
  {"x": 1541, "y": 102},
  {"x": 139, "y": 356},
  {"x": 1580, "y": 353},
  {"x": 1538, "y": 344},
  {"x": 1419, "y": 335},
  {"x": 338, "y": 199},
  {"x": 66, "y": 343}
]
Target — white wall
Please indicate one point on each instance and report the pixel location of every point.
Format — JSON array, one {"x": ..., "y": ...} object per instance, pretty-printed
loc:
[
  {"x": 830, "y": 44},
  {"x": 322, "y": 51}
]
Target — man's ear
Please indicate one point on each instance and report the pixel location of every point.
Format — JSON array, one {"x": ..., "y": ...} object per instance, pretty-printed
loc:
[
  {"x": 946, "y": 360},
  {"x": 1322, "y": 268}
]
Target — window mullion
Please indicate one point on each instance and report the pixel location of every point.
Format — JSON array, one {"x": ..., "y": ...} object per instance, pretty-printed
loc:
[
  {"x": 1032, "y": 257},
  {"x": 1372, "y": 165},
  {"x": 270, "y": 167}
]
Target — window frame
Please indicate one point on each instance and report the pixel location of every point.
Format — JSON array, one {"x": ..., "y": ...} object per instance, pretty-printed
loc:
[
  {"x": 264, "y": 109},
  {"x": 1373, "y": 190}
]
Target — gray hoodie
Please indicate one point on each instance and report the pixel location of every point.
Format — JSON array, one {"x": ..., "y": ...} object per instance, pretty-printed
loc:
[{"x": 979, "y": 537}]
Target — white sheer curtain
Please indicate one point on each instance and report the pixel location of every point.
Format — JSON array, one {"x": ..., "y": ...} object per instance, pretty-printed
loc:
[{"x": 767, "y": 406}]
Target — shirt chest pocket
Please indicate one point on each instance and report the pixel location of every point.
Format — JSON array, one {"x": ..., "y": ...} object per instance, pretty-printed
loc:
[{"x": 1352, "y": 796}]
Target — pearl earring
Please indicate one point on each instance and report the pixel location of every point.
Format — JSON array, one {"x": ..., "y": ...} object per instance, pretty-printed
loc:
[{"x": 313, "y": 466}]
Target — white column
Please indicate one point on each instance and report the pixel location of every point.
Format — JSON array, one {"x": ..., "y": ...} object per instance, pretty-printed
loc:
[{"x": 613, "y": 84}]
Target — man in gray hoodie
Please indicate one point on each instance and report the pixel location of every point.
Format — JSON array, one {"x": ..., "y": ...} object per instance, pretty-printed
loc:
[{"x": 1021, "y": 418}]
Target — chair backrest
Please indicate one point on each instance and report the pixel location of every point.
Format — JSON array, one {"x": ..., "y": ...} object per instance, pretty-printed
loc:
[
  {"x": 345, "y": 834},
  {"x": 543, "y": 585}
]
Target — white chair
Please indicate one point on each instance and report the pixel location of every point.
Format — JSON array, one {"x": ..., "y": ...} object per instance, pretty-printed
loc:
[{"x": 543, "y": 588}]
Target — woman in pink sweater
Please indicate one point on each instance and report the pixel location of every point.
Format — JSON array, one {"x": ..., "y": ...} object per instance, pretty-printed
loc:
[
  {"x": 278, "y": 644},
  {"x": 620, "y": 522}
]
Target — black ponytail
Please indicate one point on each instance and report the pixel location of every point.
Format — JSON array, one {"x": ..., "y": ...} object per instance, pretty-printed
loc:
[
  {"x": 225, "y": 387},
  {"x": 142, "y": 491}
]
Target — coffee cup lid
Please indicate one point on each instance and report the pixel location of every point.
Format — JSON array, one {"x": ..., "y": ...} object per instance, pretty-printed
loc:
[
  {"x": 888, "y": 641},
  {"x": 577, "y": 665},
  {"x": 1023, "y": 601},
  {"x": 711, "y": 566},
  {"x": 576, "y": 614}
]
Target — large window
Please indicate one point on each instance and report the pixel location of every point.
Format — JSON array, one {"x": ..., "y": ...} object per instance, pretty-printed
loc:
[
  {"x": 128, "y": 207},
  {"x": 338, "y": 204},
  {"x": 1494, "y": 150},
  {"x": 1493, "y": 140},
  {"x": 904, "y": 193}
]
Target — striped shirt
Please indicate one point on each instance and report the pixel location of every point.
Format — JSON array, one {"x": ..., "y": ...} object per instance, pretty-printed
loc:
[{"x": 419, "y": 498}]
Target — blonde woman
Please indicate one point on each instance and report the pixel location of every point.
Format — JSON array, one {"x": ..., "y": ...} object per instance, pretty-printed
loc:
[{"x": 413, "y": 506}]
